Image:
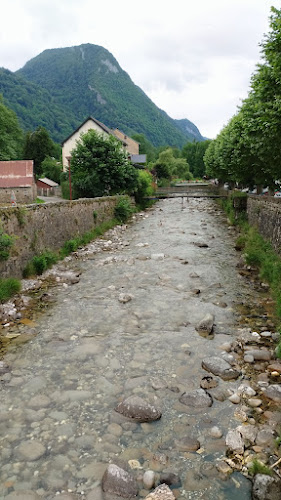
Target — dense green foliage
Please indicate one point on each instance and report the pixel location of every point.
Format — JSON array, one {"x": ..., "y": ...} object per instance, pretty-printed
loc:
[
  {"x": 35, "y": 106},
  {"x": 59, "y": 88},
  {"x": 144, "y": 187},
  {"x": 258, "y": 467},
  {"x": 248, "y": 149},
  {"x": 99, "y": 166},
  {"x": 194, "y": 153},
  {"x": 37, "y": 146},
  {"x": 6, "y": 242},
  {"x": 10, "y": 134},
  {"x": 52, "y": 169},
  {"x": 169, "y": 165},
  {"x": 146, "y": 147},
  {"x": 8, "y": 288}
]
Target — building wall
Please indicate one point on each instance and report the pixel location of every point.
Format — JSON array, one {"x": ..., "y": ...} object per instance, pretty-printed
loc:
[
  {"x": 23, "y": 194},
  {"x": 47, "y": 226},
  {"x": 265, "y": 213},
  {"x": 132, "y": 147},
  {"x": 70, "y": 144}
]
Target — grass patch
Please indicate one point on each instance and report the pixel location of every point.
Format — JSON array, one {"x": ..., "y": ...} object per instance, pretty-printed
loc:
[
  {"x": 38, "y": 200},
  {"x": 259, "y": 468},
  {"x": 8, "y": 288}
]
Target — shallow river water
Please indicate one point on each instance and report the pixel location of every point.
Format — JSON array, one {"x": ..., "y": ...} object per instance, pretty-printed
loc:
[{"x": 58, "y": 426}]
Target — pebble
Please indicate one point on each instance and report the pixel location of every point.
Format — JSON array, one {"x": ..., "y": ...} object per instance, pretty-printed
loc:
[
  {"x": 254, "y": 402},
  {"x": 235, "y": 398},
  {"x": 248, "y": 358},
  {"x": 149, "y": 479},
  {"x": 216, "y": 432}
]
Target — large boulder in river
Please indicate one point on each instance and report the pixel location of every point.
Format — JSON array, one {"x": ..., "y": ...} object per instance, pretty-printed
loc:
[
  {"x": 205, "y": 326},
  {"x": 266, "y": 488},
  {"x": 197, "y": 398},
  {"x": 138, "y": 409},
  {"x": 119, "y": 482},
  {"x": 220, "y": 367}
]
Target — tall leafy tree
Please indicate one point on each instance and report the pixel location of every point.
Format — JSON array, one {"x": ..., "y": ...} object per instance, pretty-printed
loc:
[
  {"x": 194, "y": 152},
  {"x": 37, "y": 146},
  {"x": 100, "y": 166},
  {"x": 11, "y": 135},
  {"x": 248, "y": 149}
]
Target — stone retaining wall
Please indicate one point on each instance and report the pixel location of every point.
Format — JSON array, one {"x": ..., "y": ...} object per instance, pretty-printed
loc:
[
  {"x": 47, "y": 226},
  {"x": 265, "y": 213}
]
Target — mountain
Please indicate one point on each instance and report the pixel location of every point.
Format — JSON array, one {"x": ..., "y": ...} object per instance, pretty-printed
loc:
[
  {"x": 59, "y": 88},
  {"x": 189, "y": 129}
]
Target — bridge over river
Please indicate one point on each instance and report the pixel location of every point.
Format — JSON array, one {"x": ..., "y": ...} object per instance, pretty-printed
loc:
[
  {"x": 128, "y": 328},
  {"x": 189, "y": 190}
]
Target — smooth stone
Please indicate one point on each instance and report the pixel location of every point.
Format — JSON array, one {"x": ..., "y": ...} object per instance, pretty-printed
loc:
[
  {"x": 273, "y": 392},
  {"x": 30, "y": 450},
  {"x": 248, "y": 358},
  {"x": 235, "y": 399},
  {"x": 162, "y": 492},
  {"x": 246, "y": 390},
  {"x": 148, "y": 479},
  {"x": 215, "y": 432},
  {"x": 197, "y": 399},
  {"x": 124, "y": 298},
  {"x": 119, "y": 482},
  {"x": 138, "y": 409},
  {"x": 223, "y": 467},
  {"x": 254, "y": 402},
  {"x": 187, "y": 444},
  {"x": 234, "y": 441},
  {"x": 220, "y": 367},
  {"x": 274, "y": 367},
  {"x": 266, "y": 488},
  {"x": 259, "y": 354},
  {"x": 206, "y": 324}
]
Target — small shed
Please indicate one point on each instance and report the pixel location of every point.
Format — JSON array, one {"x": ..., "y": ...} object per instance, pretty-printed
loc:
[{"x": 47, "y": 187}]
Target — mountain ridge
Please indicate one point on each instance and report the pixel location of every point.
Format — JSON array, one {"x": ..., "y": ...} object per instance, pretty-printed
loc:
[{"x": 87, "y": 80}]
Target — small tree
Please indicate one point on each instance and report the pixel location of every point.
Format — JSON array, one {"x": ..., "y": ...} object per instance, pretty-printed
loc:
[
  {"x": 100, "y": 166},
  {"x": 52, "y": 169},
  {"x": 37, "y": 146}
]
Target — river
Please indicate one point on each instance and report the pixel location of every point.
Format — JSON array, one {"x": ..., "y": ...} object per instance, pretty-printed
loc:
[{"x": 59, "y": 428}]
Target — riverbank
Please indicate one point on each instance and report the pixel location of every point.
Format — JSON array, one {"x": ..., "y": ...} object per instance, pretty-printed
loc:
[{"x": 124, "y": 320}]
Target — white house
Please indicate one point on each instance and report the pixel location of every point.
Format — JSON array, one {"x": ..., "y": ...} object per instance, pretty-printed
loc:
[{"x": 70, "y": 142}]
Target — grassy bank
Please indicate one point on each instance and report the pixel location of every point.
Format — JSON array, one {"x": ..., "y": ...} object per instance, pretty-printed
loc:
[{"x": 257, "y": 252}]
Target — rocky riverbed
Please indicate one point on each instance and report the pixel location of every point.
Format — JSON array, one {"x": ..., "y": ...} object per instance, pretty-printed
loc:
[{"x": 146, "y": 358}]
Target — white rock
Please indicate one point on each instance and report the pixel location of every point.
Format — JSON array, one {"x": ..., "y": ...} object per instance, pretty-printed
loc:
[
  {"x": 149, "y": 479},
  {"x": 235, "y": 398}
]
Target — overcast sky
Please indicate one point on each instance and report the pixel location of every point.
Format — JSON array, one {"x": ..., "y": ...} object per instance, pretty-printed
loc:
[{"x": 194, "y": 59}]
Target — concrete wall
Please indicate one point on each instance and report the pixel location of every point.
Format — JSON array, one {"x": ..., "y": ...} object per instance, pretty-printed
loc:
[
  {"x": 265, "y": 213},
  {"x": 48, "y": 226}
]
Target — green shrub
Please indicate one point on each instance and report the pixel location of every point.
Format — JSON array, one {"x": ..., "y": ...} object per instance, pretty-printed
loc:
[
  {"x": 144, "y": 186},
  {"x": 8, "y": 288},
  {"x": 40, "y": 263},
  {"x": 123, "y": 209},
  {"x": 6, "y": 242}
]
